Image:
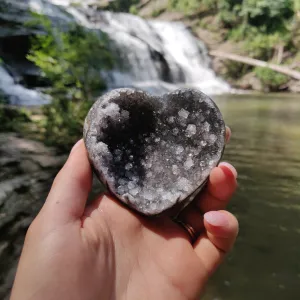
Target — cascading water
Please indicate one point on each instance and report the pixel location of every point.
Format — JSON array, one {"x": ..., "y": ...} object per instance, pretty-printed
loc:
[
  {"x": 155, "y": 56},
  {"x": 160, "y": 56},
  {"x": 18, "y": 94}
]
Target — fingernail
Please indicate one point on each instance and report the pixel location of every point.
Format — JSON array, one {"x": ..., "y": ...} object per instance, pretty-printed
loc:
[
  {"x": 76, "y": 146},
  {"x": 230, "y": 167},
  {"x": 228, "y": 134},
  {"x": 216, "y": 218}
]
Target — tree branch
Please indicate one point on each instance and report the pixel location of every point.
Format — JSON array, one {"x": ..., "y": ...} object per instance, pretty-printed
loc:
[{"x": 257, "y": 63}]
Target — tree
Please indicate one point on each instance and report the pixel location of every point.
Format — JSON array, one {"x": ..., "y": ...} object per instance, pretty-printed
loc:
[
  {"x": 71, "y": 61},
  {"x": 122, "y": 5}
]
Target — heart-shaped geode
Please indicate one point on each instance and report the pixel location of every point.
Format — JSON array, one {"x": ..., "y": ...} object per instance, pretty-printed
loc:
[{"x": 154, "y": 152}]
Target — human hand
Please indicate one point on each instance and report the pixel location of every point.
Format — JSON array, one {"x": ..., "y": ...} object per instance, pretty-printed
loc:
[{"x": 105, "y": 251}]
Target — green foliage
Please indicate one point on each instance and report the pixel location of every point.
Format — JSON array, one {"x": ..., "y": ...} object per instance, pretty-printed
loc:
[
  {"x": 262, "y": 28},
  {"x": 186, "y": 6},
  {"x": 271, "y": 79},
  {"x": 262, "y": 24},
  {"x": 157, "y": 12},
  {"x": 71, "y": 60},
  {"x": 64, "y": 122},
  {"x": 122, "y": 5},
  {"x": 269, "y": 14},
  {"x": 133, "y": 10},
  {"x": 258, "y": 44},
  {"x": 297, "y": 5},
  {"x": 296, "y": 25},
  {"x": 13, "y": 119},
  {"x": 236, "y": 70}
]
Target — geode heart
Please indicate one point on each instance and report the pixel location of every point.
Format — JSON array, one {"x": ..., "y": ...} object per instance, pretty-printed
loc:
[{"x": 154, "y": 152}]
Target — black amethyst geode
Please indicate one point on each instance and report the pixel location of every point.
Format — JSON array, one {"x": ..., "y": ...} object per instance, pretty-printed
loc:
[{"x": 154, "y": 152}]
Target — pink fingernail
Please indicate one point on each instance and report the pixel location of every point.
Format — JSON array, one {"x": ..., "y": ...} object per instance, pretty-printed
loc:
[
  {"x": 76, "y": 145},
  {"x": 230, "y": 167},
  {"x": 228, "y": 134},
  {"x": 216, "y": 218}
]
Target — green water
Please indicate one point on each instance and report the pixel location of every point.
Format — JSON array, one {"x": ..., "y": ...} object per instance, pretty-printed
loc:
[{"x": 265, "y": 149}]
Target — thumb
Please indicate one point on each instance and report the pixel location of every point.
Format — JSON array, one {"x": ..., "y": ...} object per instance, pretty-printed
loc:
[{"x": 68, "y": 195}]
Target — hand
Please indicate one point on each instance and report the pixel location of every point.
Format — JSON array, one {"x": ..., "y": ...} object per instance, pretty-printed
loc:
[{"x": 106, "y": 251}]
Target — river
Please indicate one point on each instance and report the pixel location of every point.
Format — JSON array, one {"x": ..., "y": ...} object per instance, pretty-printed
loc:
[{"x": 265, "y": 149}]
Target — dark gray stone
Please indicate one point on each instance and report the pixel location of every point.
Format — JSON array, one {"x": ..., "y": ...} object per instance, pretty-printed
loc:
[{"x": 154, "y": 152}]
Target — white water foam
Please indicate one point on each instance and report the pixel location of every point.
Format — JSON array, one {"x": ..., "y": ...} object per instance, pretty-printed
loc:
[{"x": 18, "y": 94}]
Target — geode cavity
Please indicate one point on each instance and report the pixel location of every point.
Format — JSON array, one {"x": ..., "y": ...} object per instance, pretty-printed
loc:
[{"x": 154, "y": 152}]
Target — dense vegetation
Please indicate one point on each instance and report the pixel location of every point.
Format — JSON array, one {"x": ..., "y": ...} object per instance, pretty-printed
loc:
[
  {"x": 123, "y": 5},
  {"x": 264, "y": 25},
  {"x": 12, "y": 119},
  {"x": 267, "y": 30},
  {"x": 71, "y": 61}
]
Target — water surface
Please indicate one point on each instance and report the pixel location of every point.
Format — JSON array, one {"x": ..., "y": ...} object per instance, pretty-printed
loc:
[{"x": 265, "y": 148}]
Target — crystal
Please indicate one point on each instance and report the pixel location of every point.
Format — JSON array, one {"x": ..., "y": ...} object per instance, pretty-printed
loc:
[{"x": 154, "y": 152}]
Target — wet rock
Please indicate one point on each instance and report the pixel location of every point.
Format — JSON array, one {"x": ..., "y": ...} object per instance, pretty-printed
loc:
[{"x": 154, "y": 152}]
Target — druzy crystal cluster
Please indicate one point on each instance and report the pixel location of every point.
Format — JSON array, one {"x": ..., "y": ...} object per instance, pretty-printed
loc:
[{"x": 154, "y": 152}]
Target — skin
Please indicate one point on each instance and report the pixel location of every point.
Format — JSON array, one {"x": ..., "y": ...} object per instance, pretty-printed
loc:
[{"x": 105, "y": 251}]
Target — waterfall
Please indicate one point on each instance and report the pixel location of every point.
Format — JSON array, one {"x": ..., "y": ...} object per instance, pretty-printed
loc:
[
  {"x": 161, "y": 56},
  {"x": 155, "y": 56},
  {"x": 18, "y": 94}
]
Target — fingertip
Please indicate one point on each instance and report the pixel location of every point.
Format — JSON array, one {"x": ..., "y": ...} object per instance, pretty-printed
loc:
[
  {"x": 77, "y": 146},
  {"x": 216, "y": 174},
  {"x": 221, "y": 224},
  {"x": 218, "y": 177},
  {"x": 79, "y": 166},
  {"x": 216, "y": 219},
  {"x": 219, "y": 238},
  {"x": 228, "y": 169},
  {"x": 221, "y": 186}
]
